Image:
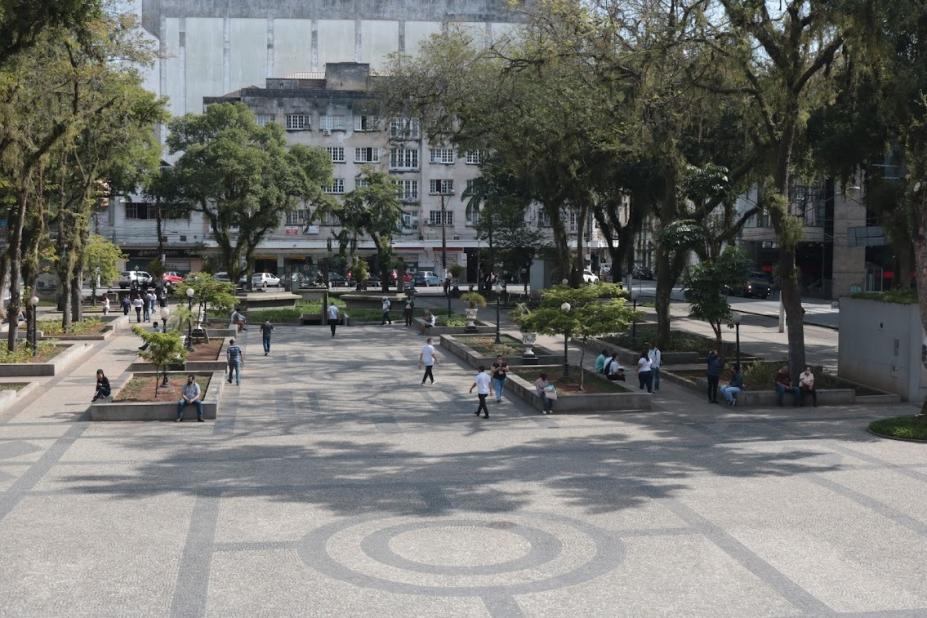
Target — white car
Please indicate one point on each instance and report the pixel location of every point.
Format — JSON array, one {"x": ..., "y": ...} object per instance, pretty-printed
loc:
[
  {"x": 138, "y": 278},
  {"x": 590, "y": 277},
  {"x": 264, "y": 280}
]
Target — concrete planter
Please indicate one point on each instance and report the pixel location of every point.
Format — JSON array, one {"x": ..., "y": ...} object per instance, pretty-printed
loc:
[
  {"x": 436, "y": 331},
  {"x": 8, "y": 397},
  {"x": 629, "y": 357},
  {"x": 456, "y": 345},
  {"x": 767, "y": 398},
  {"x": 270, "y": 300},
  {"x": 109, "y": 327},
  {"x": 159, "y": 411},
  {"x": 62, "y": 359},
  {"x": 585, "y": 403}
]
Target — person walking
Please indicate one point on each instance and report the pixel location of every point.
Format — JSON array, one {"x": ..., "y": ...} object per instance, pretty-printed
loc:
[
  {"x": 236, "y": 359},
  {"x": 191, "y": 394},
  {"x": 427, "y": 359},
  {"x": 137, "y": 304},
  {"x": 266, "y": 329},
  {"x": 106, "y": 305},
  {"x": 407, "y": 312},
  {"x": 239, "y": 320},
  {"x": 784, "y": 385},
  {"x": 126, "y": 304},
  {"x": 655, "y": 356},
  {"x": 481, "y": 384},
  {"x": 547, "y": 392},
  {"x": 806, "y": 385},
  {"x": 103, "y": 389},
  {"x": 146, "y": 306},
  {"x": 154, "y": 329},
  {"x": 152, "y": 301},
  {"x": 734, "y": 387},
  {"x": 387, "y": 305},
  {"x": 333, "y": 317},
  {"x": 713, "y": 372},
  {"x": 644, "y": 372},
  {"x": 500, "y": 370}
]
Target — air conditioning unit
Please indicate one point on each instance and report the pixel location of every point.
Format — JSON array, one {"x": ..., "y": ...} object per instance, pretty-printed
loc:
[{"x": 326, "y": 131}]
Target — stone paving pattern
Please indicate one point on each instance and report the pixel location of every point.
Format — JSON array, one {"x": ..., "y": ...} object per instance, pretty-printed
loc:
[{"x": 333, "y": 484}]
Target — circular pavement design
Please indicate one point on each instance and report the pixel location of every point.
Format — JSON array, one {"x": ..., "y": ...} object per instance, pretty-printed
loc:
[{"x": 482, "y": 555}]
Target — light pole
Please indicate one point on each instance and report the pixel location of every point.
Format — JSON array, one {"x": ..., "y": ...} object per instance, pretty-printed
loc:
[
  {"x": 565, "y": 307},
  {"x": 635, "y": 294},
  {"x": 737, "y": 318},
  {"x": 190, "y": 294},
  {"x": 165, "y": 314},
  {"x": 492, "y": 261},
  {"x": 34, "y": 305},
  {"x": 447, "y": 289}
]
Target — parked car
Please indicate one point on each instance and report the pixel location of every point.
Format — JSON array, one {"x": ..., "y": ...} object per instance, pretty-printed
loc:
[
  {"x": 171, "y": 277},
  {"x": 642, "y": 272},
  {"x": 138, "y": 278},
  {"x": 757, "y": 285},
  {"x": 264, "y": 280},
  {"x": 426, "y": 278},
  {"x": 590, "y": 277}
]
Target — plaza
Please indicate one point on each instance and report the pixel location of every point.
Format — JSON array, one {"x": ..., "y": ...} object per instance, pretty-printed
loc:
[{"x": 333, "y": 483}]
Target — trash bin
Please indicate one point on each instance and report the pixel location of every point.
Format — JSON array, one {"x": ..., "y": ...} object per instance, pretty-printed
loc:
[{"x": 347, "y": 320}]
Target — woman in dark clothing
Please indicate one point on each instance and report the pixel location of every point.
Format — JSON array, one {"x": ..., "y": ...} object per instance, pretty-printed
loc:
[{"x": 103, "y": 389}]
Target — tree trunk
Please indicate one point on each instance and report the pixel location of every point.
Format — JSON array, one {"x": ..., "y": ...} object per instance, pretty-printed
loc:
[
  {"x": 4, "y": 264},
  {"x": 788, "y": 275},
  {"x": 576, "y": 278},
  {"x": 920, "y": 272},
  {"x": 77, "y": 310},
  {"x": 905, "y": 271},
  {"x": 16, "y": 257},
  {"x": 664, "y": 293}
]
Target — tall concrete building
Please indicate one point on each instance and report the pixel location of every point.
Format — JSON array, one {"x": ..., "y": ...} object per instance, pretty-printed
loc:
[{"x": 211, "y": 47}]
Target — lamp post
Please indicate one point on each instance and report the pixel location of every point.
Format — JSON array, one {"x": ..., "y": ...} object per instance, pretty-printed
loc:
[
  {"x": 447, "y": 290},
  {"x": 165, "y": 314},
  {"x": 565, "y": 307},
  {"x": 190, "y": 294},
  {"x": 635, "y": 294},
  {"x": 34, "y": 305},
  {"x": 492, "y": 261},
  {"x": 737, "y": 318}
]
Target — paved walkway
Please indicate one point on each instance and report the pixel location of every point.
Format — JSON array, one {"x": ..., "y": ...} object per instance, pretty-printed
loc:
[{"x": 335, "y": 484}]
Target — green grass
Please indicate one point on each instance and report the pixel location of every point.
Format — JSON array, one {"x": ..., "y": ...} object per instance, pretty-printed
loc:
[
  {"x": 13, "y": 386},
  {"x": 487, "y": 346},
  {"x": 905, "y": 427},
  {"x": 87, "y": 326},
  {"x": 566, "y": 386},
  {"x": 901, "y": 297},
  {"x": 23, "y": 354},
  {"x": 761, "y": 375},
  {"x": 680, "y": 341}
]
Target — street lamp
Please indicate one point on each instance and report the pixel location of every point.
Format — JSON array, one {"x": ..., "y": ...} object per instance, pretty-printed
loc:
[
  {"x": 737, "y": 318},
  {"x": 165, "y": 314},
  {"x": 34, "y": 305},
  {"x": 565, "y": 307},
  {"x": 635, "y": 294},
  {"x": 190, "y": 293}
]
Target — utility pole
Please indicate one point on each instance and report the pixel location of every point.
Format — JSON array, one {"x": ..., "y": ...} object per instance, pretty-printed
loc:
[
  {"x": 447, "y": 292},
  {"x": 497, "y": 289}
]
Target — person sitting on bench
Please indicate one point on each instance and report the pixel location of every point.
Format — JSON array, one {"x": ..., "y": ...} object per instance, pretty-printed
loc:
[
  {"x": 613, "y": 369},
  {"x": 190, "y": 395},
  {"x": 784, "y": 385},
  {"x": 806, "y": 385}
]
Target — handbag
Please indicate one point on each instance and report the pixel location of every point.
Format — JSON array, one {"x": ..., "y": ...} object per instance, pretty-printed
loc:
[{"x": 550, "y": 391}]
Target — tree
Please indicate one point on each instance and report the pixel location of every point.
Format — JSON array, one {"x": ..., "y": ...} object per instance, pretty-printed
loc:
[
  {"x": 163, "y": 349},
  {"x": 784, "y": 61},
  {"x": 102, "y": 259},
  {"x": 208, "y": 293},
  {"x": 242, "y": 177},
  {"x": 707, "y": 284},
  {"x": 373, "y": 209},
  {"x": 22, "y": 22},
  {"x": 593, "y": 311}
]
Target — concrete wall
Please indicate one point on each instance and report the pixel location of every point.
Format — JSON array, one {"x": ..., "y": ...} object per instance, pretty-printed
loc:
[{"x": 880, "y": 345}]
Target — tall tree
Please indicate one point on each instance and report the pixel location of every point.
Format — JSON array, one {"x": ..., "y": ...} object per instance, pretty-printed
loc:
[{"x": 242, "y": 177}]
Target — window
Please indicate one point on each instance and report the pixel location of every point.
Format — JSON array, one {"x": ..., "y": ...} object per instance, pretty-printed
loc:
[
  {"x": 264, "y": 119},
  {"x": 361, "y": 182},
  {"x": 403, "y": 158},
  {"x": 366, "y": 123},
  {"x": 331, "y": 123},
  {"x": 405, "y": 128},
  {"x": 474, "y": 157},
  {"x": 336, "y": 153},
  {"x": 441, "y": 186},
  {"x": 434, "y": 217},
  {"x": 473, "y": 214},
  {"x": 136, "y": 211},
  {"x": 469, "y": 188},
  {"x": 297, "y": 217},
  {"x": 337, "y": 186},
  {"x": 330, "y": 219},
  {"x": 442, "y": 155},
  {"x": 407, "y": 189},
  {"x": 146, "y": 211},
  {"x": 543, "y": 218},
  {"x": 366, "y": 155},
  {"x": 297, "y": 122},
  {"x": 572, "y": 221}
]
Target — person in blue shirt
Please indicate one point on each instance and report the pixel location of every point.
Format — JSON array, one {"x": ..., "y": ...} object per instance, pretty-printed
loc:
[
  {"x": 236, "y": 359},
  {"x": 600, "y": 361}
]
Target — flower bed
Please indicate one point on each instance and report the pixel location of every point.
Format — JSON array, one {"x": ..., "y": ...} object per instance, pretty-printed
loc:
[
  {"x": 141, "y": 388},
  {"x": 87, "y": 326},
  {"x": 45, "y": 351},
  {"x": 460, "y": 346},
  {"x": 599, "y": 397},
  {"x": 592, "y": 382}
]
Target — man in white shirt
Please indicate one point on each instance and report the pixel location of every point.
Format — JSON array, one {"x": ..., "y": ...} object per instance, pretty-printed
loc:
[
  {"x": 333, "y": 317},
  {"x": 656, "y": 357},
  {"x": 427, "y": 358},
  {"x": 386, "y": 307},
  {"x": 481, "y": 384}
]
